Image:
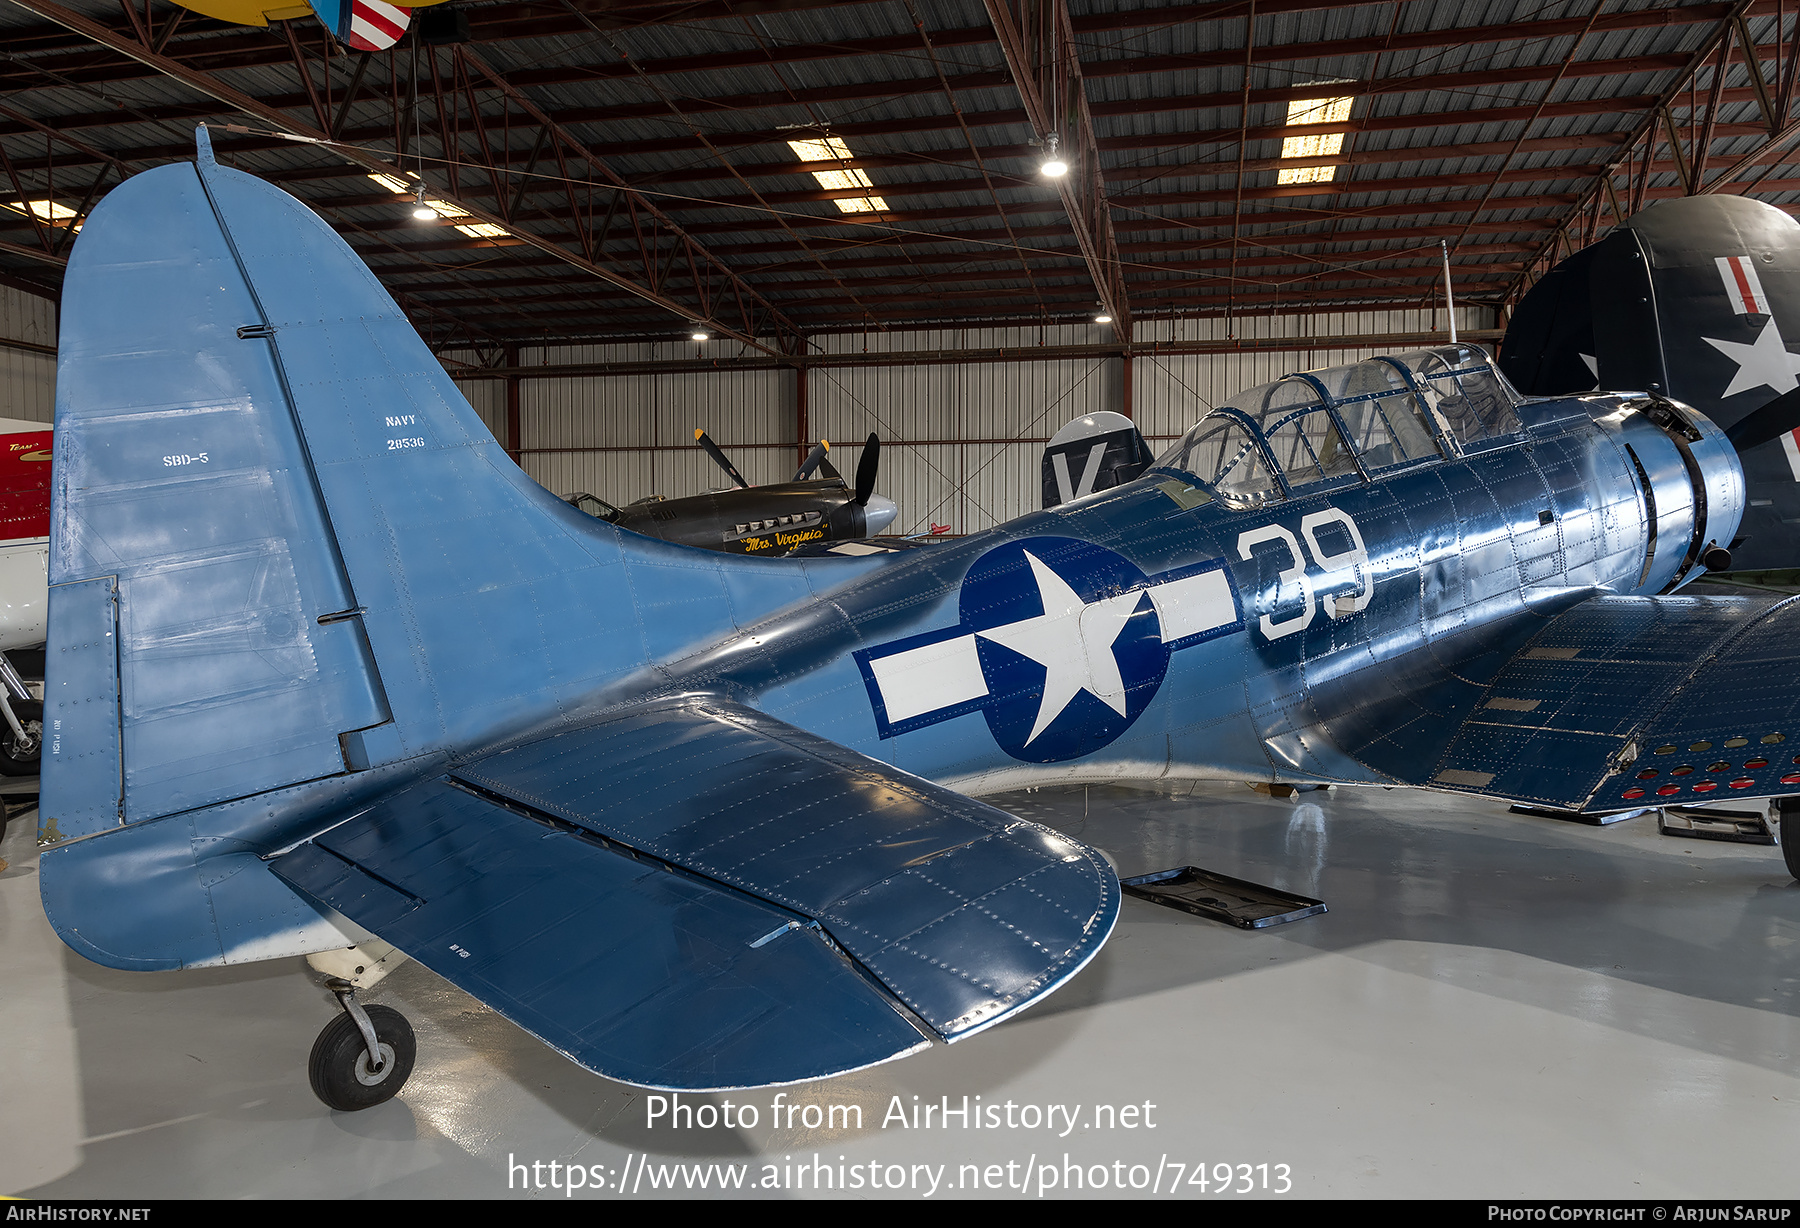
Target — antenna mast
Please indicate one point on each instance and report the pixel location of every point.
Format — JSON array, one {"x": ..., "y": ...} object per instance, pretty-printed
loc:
[{"x": 1449, "y": 302}]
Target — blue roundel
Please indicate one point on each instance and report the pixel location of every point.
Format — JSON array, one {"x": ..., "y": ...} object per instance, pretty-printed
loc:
[{"x": 1069, "y": 644}]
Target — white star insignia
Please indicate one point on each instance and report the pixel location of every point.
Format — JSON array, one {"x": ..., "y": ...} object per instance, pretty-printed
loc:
[
  {"x": 1073, "y": 640},
  {"x": 1765, "y": 363}
]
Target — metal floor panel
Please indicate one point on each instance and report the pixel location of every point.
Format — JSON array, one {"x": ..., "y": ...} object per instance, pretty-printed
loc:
[{"x": 1496, "y": 1005}]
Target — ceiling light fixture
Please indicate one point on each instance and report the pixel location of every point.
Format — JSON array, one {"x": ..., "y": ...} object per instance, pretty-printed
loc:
[
  {"x": 1052, "y": 165},
  {"x": 1103, "y": 318},
  {"x": 700, "y": 336},
  {"x": 422, "y": 211}
]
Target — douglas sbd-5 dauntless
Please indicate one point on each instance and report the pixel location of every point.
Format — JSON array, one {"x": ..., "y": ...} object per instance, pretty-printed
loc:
[{"x": 314, "y": 680}]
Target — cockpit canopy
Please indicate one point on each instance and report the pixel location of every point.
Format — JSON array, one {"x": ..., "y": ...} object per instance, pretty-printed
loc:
[
  {"x": 1342, "y": 423},
  {"x": 600, "y": 509}
]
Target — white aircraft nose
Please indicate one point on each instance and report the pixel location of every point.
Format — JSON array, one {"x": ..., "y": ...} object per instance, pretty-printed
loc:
[{"x": 879, "y": 513}]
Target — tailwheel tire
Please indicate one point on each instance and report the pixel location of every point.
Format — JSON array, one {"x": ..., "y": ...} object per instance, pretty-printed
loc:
[
  {"x": 342, "y": 1075},
  {"x": 22, "y": 757},
  {"x": 1790, "y": 840}
]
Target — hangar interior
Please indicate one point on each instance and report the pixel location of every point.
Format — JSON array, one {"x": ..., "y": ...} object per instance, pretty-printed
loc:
[{"x": 615, "y": 222}]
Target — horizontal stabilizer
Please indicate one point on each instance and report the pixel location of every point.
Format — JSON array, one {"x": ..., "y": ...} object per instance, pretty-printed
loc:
[
  {"x": 965, "y": 912},
  {"x": 1627, "y": 701},
  {"x": 654, "y": 978},
  {"x": 891, "y": 885}
]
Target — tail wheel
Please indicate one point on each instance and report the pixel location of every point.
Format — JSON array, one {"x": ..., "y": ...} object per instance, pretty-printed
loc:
[{"x": 21, "y": 756}]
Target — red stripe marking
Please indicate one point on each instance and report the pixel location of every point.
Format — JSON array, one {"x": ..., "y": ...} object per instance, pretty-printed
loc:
[
  {"x": 1743, "y": 282},
  {"x": 381, "y": 21}
]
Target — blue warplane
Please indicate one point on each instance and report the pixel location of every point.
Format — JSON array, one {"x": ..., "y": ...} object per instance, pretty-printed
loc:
[
  {"x": 327, "y": 668},
  {"x": 1687, "y": 299}
]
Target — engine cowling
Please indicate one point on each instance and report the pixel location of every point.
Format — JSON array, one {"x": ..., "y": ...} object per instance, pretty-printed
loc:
[{"x": 1692, "y": 485}]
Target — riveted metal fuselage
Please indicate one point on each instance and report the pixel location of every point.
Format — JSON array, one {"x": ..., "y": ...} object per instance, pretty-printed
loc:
[{"x": 1371, "y": 614}]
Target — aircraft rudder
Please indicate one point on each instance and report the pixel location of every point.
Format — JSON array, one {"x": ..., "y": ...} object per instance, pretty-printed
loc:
[{"x": 1092, "y": 453}]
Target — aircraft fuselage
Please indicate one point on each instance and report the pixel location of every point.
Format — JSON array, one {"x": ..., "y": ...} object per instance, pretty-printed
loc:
[{"x": 1342, "y": 635}]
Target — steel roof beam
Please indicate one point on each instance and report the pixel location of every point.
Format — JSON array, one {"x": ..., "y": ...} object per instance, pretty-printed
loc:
[
  {"x": 235, "y": 99},
  {"x": 1272, "y": 260},
  {"x": 1648, "y": 139},
  {"x": 1605, "y": 105},
  {"x": 860, "y": 92},
  {"x": 537, "y": 320},
  {"x": 567, "y": 145},
  {"x": 1128, "y": 143},
  {"x": 247, "y": 49},
  {"x": 1058, "y": 283},
  {"x": 1122, "y": 66}
]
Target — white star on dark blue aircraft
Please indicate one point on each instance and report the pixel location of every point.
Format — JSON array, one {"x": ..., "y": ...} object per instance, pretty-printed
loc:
[
  {"x": 1764, "y": 363},
  {"x": 1073, "y": 641}
]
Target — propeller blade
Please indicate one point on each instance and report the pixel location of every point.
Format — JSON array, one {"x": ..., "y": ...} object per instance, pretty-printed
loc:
[
  {"x": 712, "y": 450},
  {"x": 826, "y": 468},
  {"x": 1772, "y": 421},
  {"x": 812, "y": 460},
  {"x": 866, "y": 469}
]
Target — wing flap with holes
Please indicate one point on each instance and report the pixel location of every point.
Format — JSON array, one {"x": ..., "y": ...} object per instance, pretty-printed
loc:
[
  {"x": 696, "y": 896},
  {"x": 1631, "y": 701}
]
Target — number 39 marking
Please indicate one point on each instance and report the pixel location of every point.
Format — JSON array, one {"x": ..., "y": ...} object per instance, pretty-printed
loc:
[{"x": 1354, "y": 560}]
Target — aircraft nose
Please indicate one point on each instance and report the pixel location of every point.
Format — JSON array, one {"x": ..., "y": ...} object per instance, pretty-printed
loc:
[{"x": 879, "y": 513}]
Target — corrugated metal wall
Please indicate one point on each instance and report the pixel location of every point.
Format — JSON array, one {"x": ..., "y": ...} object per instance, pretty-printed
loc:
[
  {"x": 27, "y": 380},
  {"x": 624, "y": 437},
  {"x": 1003, "y": 412},
  {"x": 961, "y": 440},
  {"x": 980, "y": 426}
]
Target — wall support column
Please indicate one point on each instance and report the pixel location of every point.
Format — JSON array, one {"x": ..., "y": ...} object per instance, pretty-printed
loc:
[
  {"x": 513, "y": 443},
  {"x": 802, "y": 428}
]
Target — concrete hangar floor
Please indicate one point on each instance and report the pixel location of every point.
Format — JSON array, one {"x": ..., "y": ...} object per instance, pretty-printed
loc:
[{"x": 1494, "y": 1006}]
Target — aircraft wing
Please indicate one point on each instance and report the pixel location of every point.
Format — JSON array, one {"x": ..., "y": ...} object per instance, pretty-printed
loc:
[
  {"x": 1633, "y": 701},
  {"x": 693, "y": 895}
]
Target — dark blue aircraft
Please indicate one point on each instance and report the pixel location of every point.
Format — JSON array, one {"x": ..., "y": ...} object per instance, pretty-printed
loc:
[
  {"x": 1687, "y": 299},
  {"x": 327, "y": 668}
]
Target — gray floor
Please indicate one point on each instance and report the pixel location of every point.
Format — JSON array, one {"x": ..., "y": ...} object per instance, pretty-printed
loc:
[{"x": 1494, "y": 1006}]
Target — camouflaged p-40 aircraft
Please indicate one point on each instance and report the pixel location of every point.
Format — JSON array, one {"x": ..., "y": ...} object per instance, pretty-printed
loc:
[{"x": 700, "y": 820}]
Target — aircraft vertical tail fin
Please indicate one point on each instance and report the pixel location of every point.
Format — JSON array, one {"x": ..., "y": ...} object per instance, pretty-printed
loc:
[
  {"x": 1698, "y": 299},
  {"x": 284, "y": 547},
  {"x": 1095, "y": 452}
]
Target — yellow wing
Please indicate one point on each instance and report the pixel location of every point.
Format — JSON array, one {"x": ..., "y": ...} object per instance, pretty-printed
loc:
[{"x": 262, "y": 12}]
